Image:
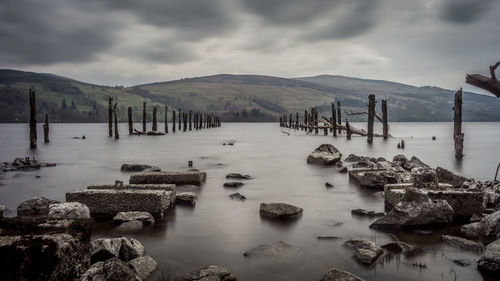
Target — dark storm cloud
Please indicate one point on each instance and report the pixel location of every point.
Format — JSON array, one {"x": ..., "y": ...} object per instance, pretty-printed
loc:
[{"x": 465, "y": 11}]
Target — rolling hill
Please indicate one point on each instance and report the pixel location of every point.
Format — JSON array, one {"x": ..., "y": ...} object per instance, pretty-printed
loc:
[{"x": 244, "y": 98}]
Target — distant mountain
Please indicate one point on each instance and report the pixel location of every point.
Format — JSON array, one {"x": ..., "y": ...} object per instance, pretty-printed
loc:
[{"x": 235, "y": 97}]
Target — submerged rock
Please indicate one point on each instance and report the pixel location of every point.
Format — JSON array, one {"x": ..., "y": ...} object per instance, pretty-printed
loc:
[
  {"x": 237, "y": 196},
  {"x": 398, "y": 247},
  {"x": 69, "y": 210},
  {"x": 489, "y": 227},
  {"x": 365, "y": 252},
  {"x": 334, "y": 274},
  {"x": 325, "y": 154},
  {"x": 416, "y": 209},
  {"x": 278, "y": 249},
  {"x": 233, "y": 184},
  {"x": 210, "y": 273},
  {"x": 280, "y": 211},
  {"x": 144, "y": 217},
  {"x": 328, "y": 185},
  {"x": 110, "y": 270},
  {"x": 36, "y": 206},
  {"x": 462, "y": 243},
  {"x": 462, "y": 262},
  {"x": 144, "y": 266},
  {"x": 186, "y": 198},
  {"x": 238, "y": 176},
  {"x": 229, "y": 142},
  {"x": 365, "y": 213},
  {"x": 490, "y": 259},
  {"x": 139, "y": 168}
]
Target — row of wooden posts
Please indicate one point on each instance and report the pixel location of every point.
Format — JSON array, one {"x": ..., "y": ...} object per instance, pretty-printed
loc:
[
  {"x": 186, "y": 120},
  {"x": 311, "y": 121}
]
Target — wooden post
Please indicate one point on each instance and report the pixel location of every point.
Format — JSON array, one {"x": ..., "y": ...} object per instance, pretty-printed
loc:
[
  {"x": 173, "y": 121},
  {"x": 110, "y": 116},
  {"x": 155, "y": 122},
  {"x": 190, "y": 119},
  {"x": 180, "y": 119},
  {"x": 296, "y": 120},
  {"x": 281, "y": 121},
  {"x": 371, "y": 117},
  {"x": 46, "y": 129},
  {"x": 385, "y": 125},
  {"x": 339, "y": 116},
  {"x": 117, "y": 136},
  {"x": 348, "y": 129},
  {"x": 144, "y": 116},
  {"x": 457, "y": 119},
  {"x": 334, "y": 120},
  {"x": 33, "y": 137},
  {"x": 166, "y": 119},
  {"x": 316, "y": 121},
  {"x": 184, "y": 121},
  {"x": 130, "y": 124}
]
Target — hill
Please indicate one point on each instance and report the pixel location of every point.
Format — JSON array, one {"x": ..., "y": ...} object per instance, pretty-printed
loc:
[{"x": 235, "y": 97}]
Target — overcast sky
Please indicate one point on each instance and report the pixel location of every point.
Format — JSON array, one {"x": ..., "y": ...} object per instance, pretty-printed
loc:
[{"x": 126, "y": 42}]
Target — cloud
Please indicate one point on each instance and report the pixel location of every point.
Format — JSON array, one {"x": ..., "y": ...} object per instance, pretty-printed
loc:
[{"x": 465, "y": 11}]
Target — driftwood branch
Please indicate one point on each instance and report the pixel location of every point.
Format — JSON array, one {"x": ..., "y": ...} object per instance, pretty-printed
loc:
[
  {"x": 356, "y": 131},
  {"x": 379, "y": 118},
  {"x": 490, "y": 84}
]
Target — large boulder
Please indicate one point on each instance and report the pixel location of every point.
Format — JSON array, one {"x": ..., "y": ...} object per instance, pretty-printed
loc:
[
  {"x": 489, "y": 227},
  {"x": 446, "y": 176},
  {"x": 490, "y": 259},
  {"x": 69, "y": 210},
  {"x": 103, "y": 249},
  {"x": 144, "y": 266},
  {"x": 144, "y": 217},
  {"x": 278, "y": 249},
  {"x": 110, "y": 270},
  {"x": 356, "y": 158},
  {"x": 470, "y": 230},
  {"x": 138, "y": 168},
  {"x": 36, "y": 206},
  {"x": 423, "y": 177},
  {"x": 186, "y": 198},
  {"x": 376, "y": 179},
  {"x": 416, "y": 209},
  {"x": 210, "y": 273},
  {"x": 280, "y": 211},
  {"x": 334, "y": 274},
  {"x": 325, "y": 154},
  {"x": 365, "y": 252},
  {"x": 42, "y": 257}
]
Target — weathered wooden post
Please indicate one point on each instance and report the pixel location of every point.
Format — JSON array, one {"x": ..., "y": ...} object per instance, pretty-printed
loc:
[
  {"x": 184, "y": 121},
  {"x": 166, "y": 119},
  {"x": 457, "y": 119},
  {"x": 190, "y": 120},
  {"x": 339, "y": 116},
  {"x": 110, "y": 116},
  {"x": 130, "y": 124},
  {"x": 117, "y": 136},
  {"x": 173, "y": 121},
  {"x": 155, "y": 122},
  {"x": 180, "y": 119},
  {"x": 316, "y": 121},
  {"x": 385, "y": 125},
  {"x": 334, "y": 120},
  {"x": 46, "y": 129},
  {"x": 144, "y": 116},
  {"x": 371, "y": 117},
  {"x": 281, "y": 121},
  {"x": 33, "y": 137},
  {"x": 296, "y": 120},
  {"x": 348, "y": 129}
]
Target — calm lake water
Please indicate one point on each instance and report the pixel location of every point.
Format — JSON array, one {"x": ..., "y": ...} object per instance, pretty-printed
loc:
[{"x": 218, "y": 230}]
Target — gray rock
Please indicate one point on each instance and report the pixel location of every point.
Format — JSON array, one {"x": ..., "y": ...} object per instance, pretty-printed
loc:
[
  {"x": 144, "y": 217},
  {"x": 401, "y": 159},
  {"x": 490, "y": 259},
  {"x": 128, "y": 227},
  {"x": 325, "y": 154},
  {"x": 278, "y": 249},
  {"x": 237, "y": 196},
  {"x": 343, "y": 170},
  {"x": 446, "y": 176},
  {"x": 186, "y": 198},
  {"x": 422, "y": 177},
  {"x": 462, "y": 243},
  {"x": 489, "y": 227},
  {"x": 210, "y": 273},
  {"x": 328, "y": 185},
  {"x": 144, "y": 266},
  {"x": 238, "y": 176},
  {"x": 104, "y": 248},
  {"x": 69, "y": 210},
  {"x": 365, "y": 252},
  {"x": 418, "y": 162},
  {"x": 178, "y": 178},
  {"x": 462, "y": 262},
  {"x": 229, "y": 142},
  {"x": 138, "y": 168},
  {"x": 470, "y": 230},
  {"x": 110, "y": 270},
  {"x": 356, "y": 158},
  {"x": 375, "y": 179},
  {"x": 130, "y": 249},
  {"x": 365, "y": 213},
  {"x": 416, "y": 209},
  {"x": 334, "y": 274},
  {"x": 398, "y": 247},
  {"x": 36, "y": 206},
  {"x": 233, "y": 184},
  {"x": 280, "y": 211}
]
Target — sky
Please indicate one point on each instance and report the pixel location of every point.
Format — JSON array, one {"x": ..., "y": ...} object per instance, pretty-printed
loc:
[{"x": 128, "y": 42}]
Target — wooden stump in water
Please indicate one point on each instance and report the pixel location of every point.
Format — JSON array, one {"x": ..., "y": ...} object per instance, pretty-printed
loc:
[
  {"x": 33, "y": 136},
  {"x": 296, "y": 120},
  {"x": 190, "y": 120},
  {"x": 180, "y": 119},
  {"x": 155, "y": 122},
  {"x": 173, "y": 121},
  {"x": 184, "y": 121},
  {"x": 457, "y": 119},
  {"x": 117, "y": 136},
  {"x": 348, "y": 130},
  {"x": 166, "y": 119},
  {"x": 144, "y": 116},
  {"x": 339, "y": 116},
  {"x": 334, "y": 121},
  {"x": 130, "y": 124},
  {"x": 385, "y": 125},
  {"x": 371, "y": 117},
  {"x": 110, "y": 116},
  {"x": 46, "y": 129},
  {"x": 316, "y": 120}
]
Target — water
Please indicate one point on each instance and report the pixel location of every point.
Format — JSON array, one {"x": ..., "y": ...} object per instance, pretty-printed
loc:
[{"x": 218, "y": 230}]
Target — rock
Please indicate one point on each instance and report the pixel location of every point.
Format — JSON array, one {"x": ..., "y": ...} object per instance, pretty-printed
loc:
[
  {"x": 104, "y": 248},
  {"x": 280, "y": 211},
  {"x": 42, "y": 257},
  {"x": 416, "y": 209},
  {"x": 355, "y": 158},
  {"x": 398, "y": 247},
  {"x": 138, "y": 168},
  {"x": 229, "y": 142},
  {"x": 36, "y": 206},
  {"x": 2, "y": 209},
  {"x": 233, "y": 184},
  {"x": 144, "y": 217},
  {"x": 490, "y": 259},
  {"x": 334, "y": 274},
  {"x": 343, "y": 170},
  {"x": 328, "y": 238},
  {"x": 365, "y": 213},
  {"x": 110, "y": 270},
  {"x": 129, "y": 227},
  {"x": 167, "y": 187},
  {"x": 470, "y": 230},
  {"x": 178, "y": 178},
  {"x": 462, "y": 262},
  {"x": 328, "y": 185},
  {"x": 401, "y": 159},
  {"x": 422, "y": 177},
  {"x": 154, "y": 133},
  {"x": 130, "y": 249},
  {"x": 186, "y": 198},
  {"x": 418, "y": 162},
  {"x": 144, "y": 266},
  {"x": 237, "y": 196},
  {"x": 446, "y": 176},
  {"x": 462, "y": 243},
  {"x": 489, "y": 227},
  {"x": 210, "y": 273},
  {"x": 375, "y": 179},
  {"x": 69, "y": 210},
  {"x": 238, "y": 176},
  {"x": 325, "y": 154},
  {"x": 365, "y": 252},
  {"x": 109, "y": 202},
  {"x": 278, "y": 249}
]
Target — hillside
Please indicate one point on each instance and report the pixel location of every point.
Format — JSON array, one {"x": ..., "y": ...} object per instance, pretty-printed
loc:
[{"x": 235, "y": 97}]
